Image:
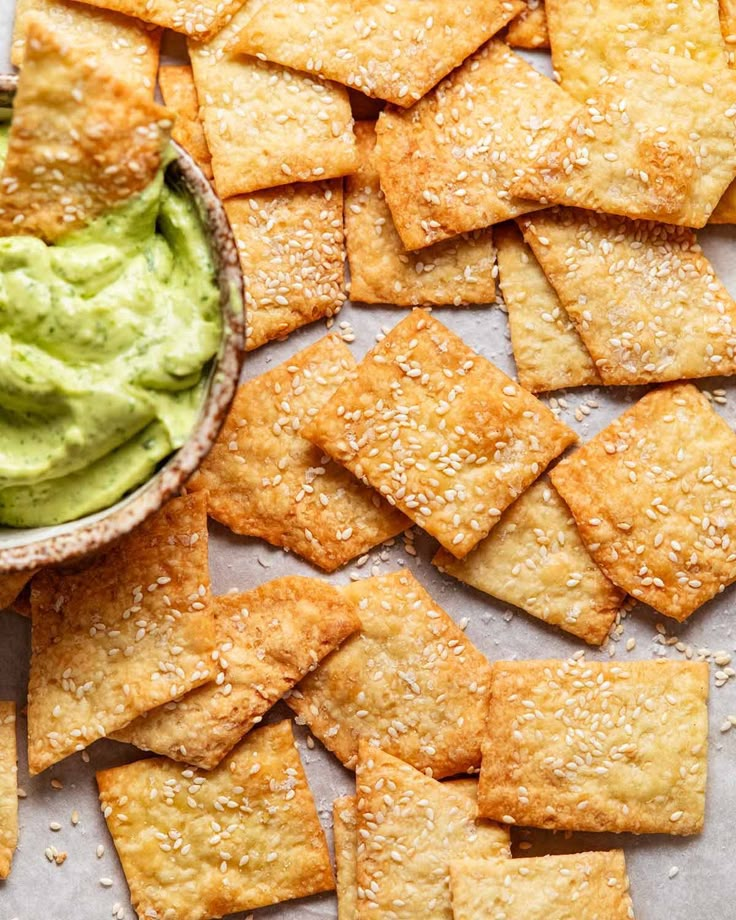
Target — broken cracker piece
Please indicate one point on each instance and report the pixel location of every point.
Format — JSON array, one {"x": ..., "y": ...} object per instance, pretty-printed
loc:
[
  {"x": 8, "y": 787},
  {"x": 410, "y": 680},
  {"x": 597, "y": 746},
  {"x": 457, "y": 271},
  {"x": 128, "y": 631},
  {"x": 266, "y": 480},
  {"x": 644, "y": 298},
  {"x": 534, "y": 558},
  {"x": 652, "y": 497},
  {"x": 529, "y": 28},
  {"x": 439, "y": 430},
  {"x": 409, "y": 829},
  {"x": 197, "y": 845},
  {"x": 396, "y": 52},
  {"x": 548, "y": 352},
  {"x": 447, "y": 164},
  {"x": 200, "y": 19},
  {"x": 345, "y": 819},
  {"x": 587, "y": 886},
  {"x": 180, "y": 95},
  {"x": 267, "y": 640},
  {"x": 11, "y": 585},
  {"x": 292, "y": 253}
]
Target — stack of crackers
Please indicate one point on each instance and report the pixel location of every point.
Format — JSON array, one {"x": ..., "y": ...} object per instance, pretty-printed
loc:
[{"x": 582, "y": 196}]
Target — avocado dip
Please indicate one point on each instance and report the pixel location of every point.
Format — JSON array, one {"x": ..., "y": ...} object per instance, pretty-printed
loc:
[{"x": 105, "y": 338}]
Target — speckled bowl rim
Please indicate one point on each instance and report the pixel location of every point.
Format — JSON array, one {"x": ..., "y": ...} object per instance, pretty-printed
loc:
[{"x": 95, "y": 531}]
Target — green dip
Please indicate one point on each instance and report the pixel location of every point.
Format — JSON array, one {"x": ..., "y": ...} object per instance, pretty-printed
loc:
[{"x": 105, "y": 338}]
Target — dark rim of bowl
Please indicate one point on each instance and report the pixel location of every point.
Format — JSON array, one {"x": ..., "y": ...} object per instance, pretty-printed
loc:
[{"x": 92, "y": 532}]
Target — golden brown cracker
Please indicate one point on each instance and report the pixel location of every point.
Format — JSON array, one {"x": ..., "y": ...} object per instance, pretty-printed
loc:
[
  {"x": 180, "y": 95},
  {"x": 447, "y": 164},
  {"x": 393, "y": 51},
  {"x": 587, "y": 886},
  {"x": 200, "y": 19},
  {"x": 410, "y": 680},
  {"x": 410, "y": 827},
  {"x": 128, "y": 631},
  {"x": 651, "y": 495},
  {"x": 80, "y": 141},
  {"x": 11, "y": 585},
  {"x": 345, "y": 819},
  {"x": 267, "y": 640},
  {"x": 597, "y": 746},
  {"x": 196, "y": 845},
  {"x": 548, "y": 352},
  {"x": 292, "y": 253},
  {"x": 439, "y": 430},
  {"x": 8, "y": 787},
  {"x": 644, "y": 298},
  {"x": 457, "y": 271},
  {"x": 266, "y": 480},
  {"x": 529, "y": 28},
  {"x": 534, "y": 558}
]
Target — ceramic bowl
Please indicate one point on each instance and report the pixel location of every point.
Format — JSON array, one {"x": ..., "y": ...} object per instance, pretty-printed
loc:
[{"x": 27, "y": 548}]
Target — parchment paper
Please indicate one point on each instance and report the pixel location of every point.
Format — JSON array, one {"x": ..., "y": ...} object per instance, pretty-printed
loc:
[{"x": 704, "y": 885}]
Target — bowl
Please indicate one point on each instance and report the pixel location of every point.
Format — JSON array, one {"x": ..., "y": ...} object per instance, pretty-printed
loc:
[{"x": 30, "y": 548}]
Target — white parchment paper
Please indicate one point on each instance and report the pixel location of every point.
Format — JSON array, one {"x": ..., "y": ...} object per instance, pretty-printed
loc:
[{"x": 671, "y": 878}]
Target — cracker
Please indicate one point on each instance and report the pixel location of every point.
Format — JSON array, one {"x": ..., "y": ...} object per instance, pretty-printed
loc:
[
  {"x": 597, "y": 746},
  {"x": 292, "y": 252},
  {"x": 548, "y": 352},
  {"x": 409, "y": 829},
  {"x": 128, "y": 631},
  {"x": 200, "y": 19},
  {"x": 396, "y": 52},
  {"x": 345, "y": 818},
  {"x": 529, "y": 28},
  {"x": 267, "y": 640},
  {"x": 725, "y": 210},
  {"x": 127, "y": 48},
  {"x": 622, "y": 159},
  {"x": 180, "y": 95},
  {"x": 651, "y": 495},
  {"x": 587, "y": 886},
  {"x": 197, "y": 845},
  {"x": 11, "y": 585},
  {"x": 410, "y": 681},
  {"x": 8, "y": 787},
  {"x": 80, "y": 141},
  {"x": 439, "y": 430},
  {"x": 266, "y": 480},
  {"x": 534, "y": 558},
  {"x": 267, "y": 125},
  {"x": 457, "y": 271},
  {"x": 644, "y": 298},
  {"x": 447, "y": 164}
]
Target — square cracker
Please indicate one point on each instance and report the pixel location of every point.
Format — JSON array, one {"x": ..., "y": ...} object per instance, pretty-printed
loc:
[
  {"x": 197, "y": 845},
  {"x": 597, "y": 746},
  {"x": 80, "y": 141},
  {"x": 534, "y": 558},
  {"x": 587, "y": 886},
  {"x": 529, "y": 28},
  {"x": 456, "y": 271},
  {"x": 267, "y": 125},
  {"x": 439, "y": 430},
  {"x": 394, "y": 51},
  {"x": 548, "y": 352},
  {"x": 267, "y": 640},
  {"x": 11, "y": 585},
  {"x": 180, "y": 95},
  {"x": 266, "y": 480},
  {"x": 652, "y": 495},
  {"x": 409, "y": 829},
  {"x": 129, "y": 630},
  {"x": 200, "y": 19},
  {"x": 622, "y": 159},
  {"x": 410, "y": 680},
  {"x": 127, "y": 48},
  {"x": 292, "y": 252},
  {"x": 344, "y": 822},
  {"x": 644, "y": 298},
  {"x": 447, "y": 164},
  {"x": 8, "y": 787}
]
